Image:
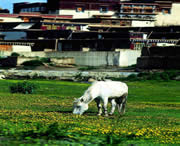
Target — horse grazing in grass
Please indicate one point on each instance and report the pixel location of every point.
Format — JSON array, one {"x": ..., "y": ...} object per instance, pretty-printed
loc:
[{"x": 113, "y": 91}]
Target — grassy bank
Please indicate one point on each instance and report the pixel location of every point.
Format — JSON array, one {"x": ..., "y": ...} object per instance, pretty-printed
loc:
[{"x": 46, "y": 116}]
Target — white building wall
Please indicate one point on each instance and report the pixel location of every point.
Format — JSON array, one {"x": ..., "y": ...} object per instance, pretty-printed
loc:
[
  {"x": 143, "y": 23},
  {"x": 169, "y": 19},
  {"x": 18, "y": 48},
  {"x": 85, "y": 14},
  {"x": 128, "y": 57},
  {"x": 6, "y": 19}
]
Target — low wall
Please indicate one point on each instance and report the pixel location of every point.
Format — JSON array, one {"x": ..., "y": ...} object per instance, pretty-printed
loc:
[
  {"x": 122, "y": 58},
  {"x": 159, "y": 62},
  {"x": 63, "y": 75},
  {"x": 159, "y": 58},
  {"x": 55, "y": 61}
]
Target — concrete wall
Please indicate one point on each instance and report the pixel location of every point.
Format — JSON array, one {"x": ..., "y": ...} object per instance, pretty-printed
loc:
[
  {"x": 124, "y": 57},
  {"x": 128, "y": 58},
  {"x": 55, "y": 61}
]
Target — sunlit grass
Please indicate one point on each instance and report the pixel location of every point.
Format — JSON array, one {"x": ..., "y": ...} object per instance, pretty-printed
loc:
[{"x": 152, "y": 115}]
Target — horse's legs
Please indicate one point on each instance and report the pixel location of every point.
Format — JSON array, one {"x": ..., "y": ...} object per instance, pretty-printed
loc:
[
  {"x": 113, "y": 106},
  {"x": 121, "y": 103},
  {"x": 124, "y": 104},
  {"x": 105, "y": 103},
  {"x": 119, "y": 106},
  {"x": 97, "y": 100}
]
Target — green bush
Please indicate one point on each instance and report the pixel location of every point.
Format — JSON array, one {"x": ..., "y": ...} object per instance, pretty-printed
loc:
[
  {"x": 45, "y": 60},
  {"x": 85, "y": 68},
  {"x": 33, "y": 63},
  {"x": 132, "y": 77},
  {"x": 165, "y": 75},
  {"x": 23, "y": 87},
  {"x": 14, "y": 54},
  {"x": 154, "y": 76}
]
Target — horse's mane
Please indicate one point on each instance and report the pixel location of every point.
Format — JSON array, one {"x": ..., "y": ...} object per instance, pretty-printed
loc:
[{"x": 86, "y": 97}]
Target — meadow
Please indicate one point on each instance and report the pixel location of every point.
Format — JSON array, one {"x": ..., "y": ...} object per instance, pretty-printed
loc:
[{"x": 45, "y": 117}]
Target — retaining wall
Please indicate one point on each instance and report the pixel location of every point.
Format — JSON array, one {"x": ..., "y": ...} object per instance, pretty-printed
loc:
[{"x": 124, "y": 57}]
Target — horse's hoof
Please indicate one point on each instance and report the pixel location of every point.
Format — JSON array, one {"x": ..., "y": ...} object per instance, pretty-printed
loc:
[
  {"x": 110, "y": 114},
  {"x": 106, "y": 115}
]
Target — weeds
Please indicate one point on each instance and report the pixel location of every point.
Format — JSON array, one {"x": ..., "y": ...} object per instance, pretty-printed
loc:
[
  {"x": 23, "y": 87},
  {"x": 158, "y": 76},
  {"x": 87, "y": 68}
]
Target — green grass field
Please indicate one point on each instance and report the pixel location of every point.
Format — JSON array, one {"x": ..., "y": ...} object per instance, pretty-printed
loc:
[{"x": 152, "y": 116}]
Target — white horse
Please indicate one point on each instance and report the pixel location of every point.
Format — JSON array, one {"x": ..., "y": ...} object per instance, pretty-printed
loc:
[{"x": 114, "y": 91}]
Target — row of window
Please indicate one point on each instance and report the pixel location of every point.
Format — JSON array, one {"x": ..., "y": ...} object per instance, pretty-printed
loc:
[
  {"x": 139, "y": 6},
  {"x": 138, "y": 11},
  {"x": 137, "y": 16},
  {"x": 102, "y": 9},
  {"x": 34, "y": 9}
]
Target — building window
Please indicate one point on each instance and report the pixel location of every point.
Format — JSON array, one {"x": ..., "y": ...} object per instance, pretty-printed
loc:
[
  {"x": 33, "y": 9},
  {"x": 23, "y": 10},
  {"x": 79, "y": 9},
  {"x": 166, "y": 11},
  {"x": 37, "y": 9},
  {"x": 103, "y": 9},
  {"x": 42, "y": 9}
]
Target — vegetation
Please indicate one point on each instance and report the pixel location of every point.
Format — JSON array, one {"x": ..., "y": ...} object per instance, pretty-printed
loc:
[
  {"x": 45, "y": 117},
  {"x": 157, "y": 76},
  {"x": 14, "y": 54},
  {"x": 23, "y": 87},
  {"x": 33, "y": 63},
  {"x": 87, "y": 68}
]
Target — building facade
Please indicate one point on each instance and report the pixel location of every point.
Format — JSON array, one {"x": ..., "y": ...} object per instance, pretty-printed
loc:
[
  {"x": 121, "y": 9},
  {"x": 83, "y": 9}
]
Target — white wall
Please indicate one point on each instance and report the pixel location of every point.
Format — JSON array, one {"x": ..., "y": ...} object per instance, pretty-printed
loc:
[
  {"x": 136, "y": 23},
  {"x": 18, "y": 48},
  {"x": 169, "y": 19},
  {"x": 128, "y": 57},
  {"x": 6, "y": 19},
  {"x": 85, "y": 14}
]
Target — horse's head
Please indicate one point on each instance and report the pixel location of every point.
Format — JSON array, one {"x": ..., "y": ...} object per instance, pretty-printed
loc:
[{"x": 79, "y": 106}]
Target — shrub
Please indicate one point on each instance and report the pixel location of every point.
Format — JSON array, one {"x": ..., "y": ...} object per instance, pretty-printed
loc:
[
  {"x": 173, "y": 73},
  {"x": 45, "y": 60},
  {"x": 14, "y": 54},
  {"x": 32, "y": 63},
  {"x": 23, "y": 87},
  {"x": 132, "y": 77},
  {"x": 87, "y": 68},
  {"x": 154, "y": 76},
  {"x": 165, "y": 76}
]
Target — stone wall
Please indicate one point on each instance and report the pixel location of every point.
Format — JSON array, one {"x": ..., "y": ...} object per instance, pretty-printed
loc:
[
  {"x": 55, "y": 61},
  {"x": 63, "y": 75},
  {"x": 159, "y": 58},
  {"x": 8, "y": 61}
]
